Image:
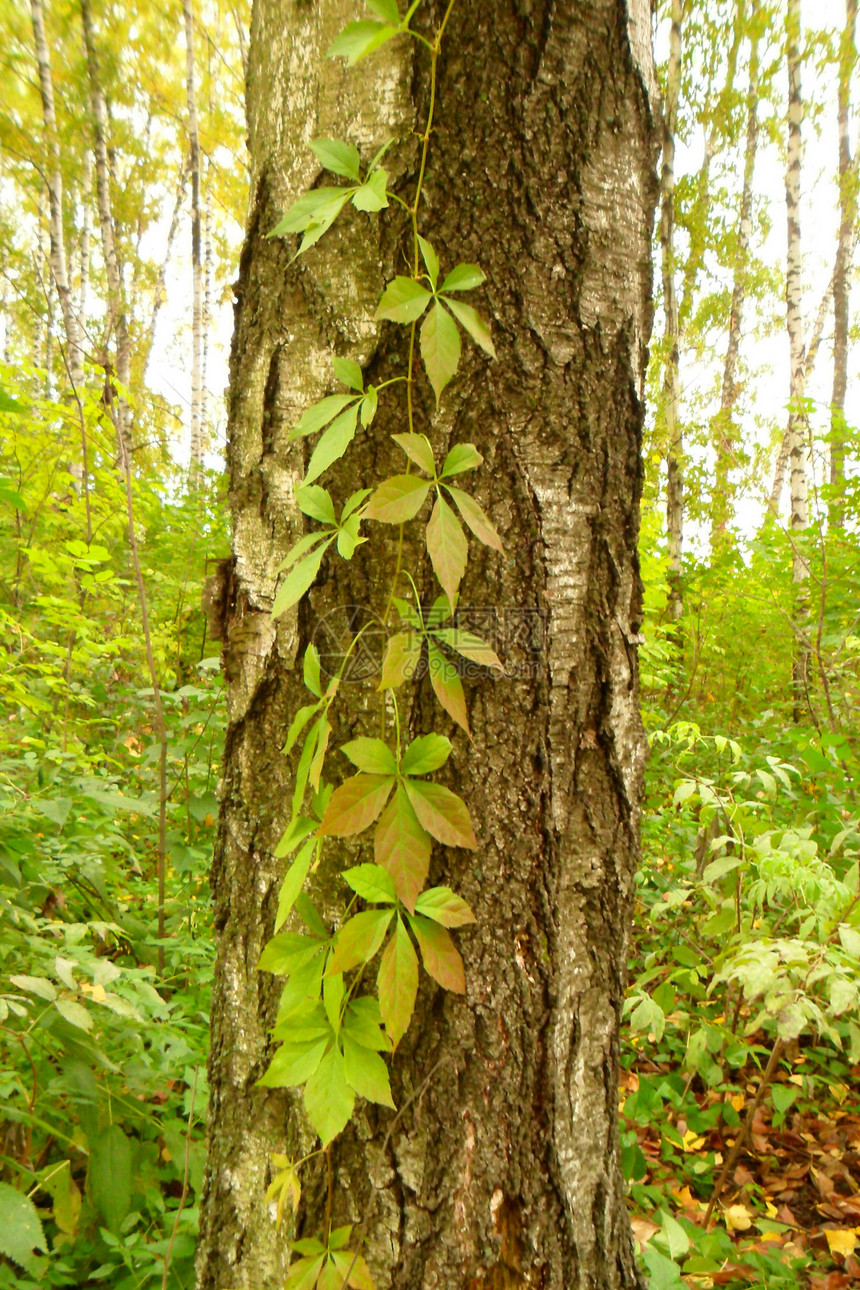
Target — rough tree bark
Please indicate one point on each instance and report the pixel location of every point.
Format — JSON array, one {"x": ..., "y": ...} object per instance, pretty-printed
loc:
[{"x": 505, "y": 1172}]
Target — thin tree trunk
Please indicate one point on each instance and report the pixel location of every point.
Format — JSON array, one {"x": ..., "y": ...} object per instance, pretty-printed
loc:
[
  {"x": 841, "y": 272},
  {"x": 208, "y": 288},
  {"x": 671, "y": 376},
  {"x": 196, "y": 456},
  {"x": 86, "y": 234},
  {"x": 798, "y": 428},
  {"x": 54, "y": 181},
  {"x": 159, "y": 291},
  {"x": 722, "y": 426},
  {"x": 505, "y": 1170}
]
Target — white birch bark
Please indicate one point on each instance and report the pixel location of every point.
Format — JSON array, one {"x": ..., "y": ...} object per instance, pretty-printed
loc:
[
  {"x": 196, "y": 455},
  {"x": 841, "y": 272},
  {"x": 671, "y": 381}
]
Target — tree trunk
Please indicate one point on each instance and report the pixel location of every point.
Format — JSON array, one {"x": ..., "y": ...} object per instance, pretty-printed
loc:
[
  {"x": 505, "y": 1170},
  {"x": 841, "y": 272},
  {"x": 671, "y": 379},
  {"x": 798, "y": 429},
  {"x": 196, "y": 455},
  {"x": 722, "y": 426}
]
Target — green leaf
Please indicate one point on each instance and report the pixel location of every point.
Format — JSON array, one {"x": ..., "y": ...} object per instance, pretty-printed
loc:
[
  {"x": 397, "y": 983},
  {"x": 297, "y": 725},
  {"x": 320, "y": 204},
  {"x": 333, "y": 996},
  {"x": 74, "y": 1013},
  {"x": 398, "y": 499},
  {"x": 294, "y": 1063},
  {"x": 316, "y": 764},
  {"x": 299, "y": 579},
  {"x": 474, "y": 324},
  {"x": 339, "y": 157},
  {"x": 442, "y": 906},
  {"x": 417, "y": 447},
  {"x": 20, "y": 1227},
  {"x": 850, "y": 938},
  {"x": 308, "y": 1245},
  {"x": 333, "y": 443},
  {"x": 370, "y": 755},
  {"x": 386, "y": 10},
  {"x": 289, "y": 951},
  {"x": 349, "y": 373},
  {"x": 475, "y": 518},
  {"x": 358, "y": 39},
  {"x": 311, "y": 670},
  {"x": 446, "y": 544},
  {"x": 440, "y": 348},
  {"x": 355, "y": 805},
  {"x": 463, "y": 456},
  {"x": 367, "y": 1073},
  {"x": 401, "y": 658},
  {"x": 403, "y": 300},
  {"x": 39, "y": 985},
  {"x": 304, "y": 1273},
  {"x": 354, "y": 1267},
  {"x": 109, "y": 1176},
  {"x": 363, "y": 1023},
  {"x": 447, "y": 686},
  {"x": 441, "y": 957},
  {"x": 320, "y": 414},
  {"x": 469, "y": 645},
  {"x": 373, "y": 883},
  {"x": 314, "y": 500},
  {"x": 8, "y": 404},
  {"x": 368, "y": 408},
  {"x": 329, "y": 1100},
  {"x": 300, "y": 549},
  {"x": 403, "y": 847},
  {"x": 430, "y": 259},
  {"x": 359, "y": 939},
  {"x": 463, "y": 278},
  {"x": 293, "y": 882},
  {"x": 329, "y": 1277},
  {"x": 339, "y": 1237},
  {"x": 348, "y": 537},
  {"x": 371, "y": 196},
  {"x": 442, "y": 813},
  {"x": 426, "y": 753},
  {"x": 353, "y": 502}
]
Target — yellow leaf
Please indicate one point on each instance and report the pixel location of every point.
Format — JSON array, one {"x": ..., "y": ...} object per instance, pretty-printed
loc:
[
  {"x": 737, "y": 1218},
  {"x": 98, "y": 994},
  {"x": 842, "y": 1240},
  {"x": 738, "y": 1101},
  {"x": 796, "y": 1079},
  {"x": 692, "y": 1141}
]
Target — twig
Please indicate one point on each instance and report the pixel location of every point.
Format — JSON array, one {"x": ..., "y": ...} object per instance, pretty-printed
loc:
[{"x": 169, "y": 1249}]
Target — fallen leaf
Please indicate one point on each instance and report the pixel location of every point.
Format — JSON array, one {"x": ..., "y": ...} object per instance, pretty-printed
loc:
[
  {"x": 842, "y": 1240},
  {"x": 737, "y": 1218}
]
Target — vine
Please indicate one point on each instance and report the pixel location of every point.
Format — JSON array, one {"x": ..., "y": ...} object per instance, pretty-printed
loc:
[{"x": 333, "y": 1035}]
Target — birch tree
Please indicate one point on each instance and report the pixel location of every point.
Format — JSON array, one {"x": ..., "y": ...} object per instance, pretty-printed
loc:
[{"x": 503, "y": 1166}]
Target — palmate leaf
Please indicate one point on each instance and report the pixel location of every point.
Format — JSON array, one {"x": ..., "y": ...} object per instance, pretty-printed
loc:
[
  {"x": 417, "y": 448},
  {"x": 470, "y": 646},
  {"x": 403, "y": 847},
  {"x": 329, "y": 1100},
  {"x": 359, "y": 939},
  {"x": 397, "y": 983},
  {"x": 446, "y": 545},
  {"x": 442, "y": 813},
  {"x": 362, "y": 1021},
  {"x": 448, "y": 687},
  {"x": 403, "y": 301},
  {"x": 425, "y": 754},
  {"x": 373, "y": 883},
  {"x": 304, "y": 1273},
  {"x": 358, "y": 39},
  {"x": 370, "y": 755},
  {"x": 398, "y": 499},
  {"x": 339, "y": 157},
  {"x": 295, "y": 1062},
  {"x": 442, "y": 906},
  {"x": 353, "y": 1269},
  {"x": 431, "y": 260},
  {"x": 463, "y": 277},
  {"x": 349, "y": 373},
  {"x": 333, "y": 443},
  {"x": 475, "y": 518},
  {"x": 440, "y": 348},
  {"x": 401, "y": 658},
  {"x": 319, "y": 414},
  {"x": 366, "y": 1073},
  {"x": 371, "y": 196},
  {"x": 463, "y": 456},
  {"x": 474, "y": 324},
  {"x": 299, "y": 579},
  {"x": 355, "y": 805},
  {"x": 439, "y": 954}
]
